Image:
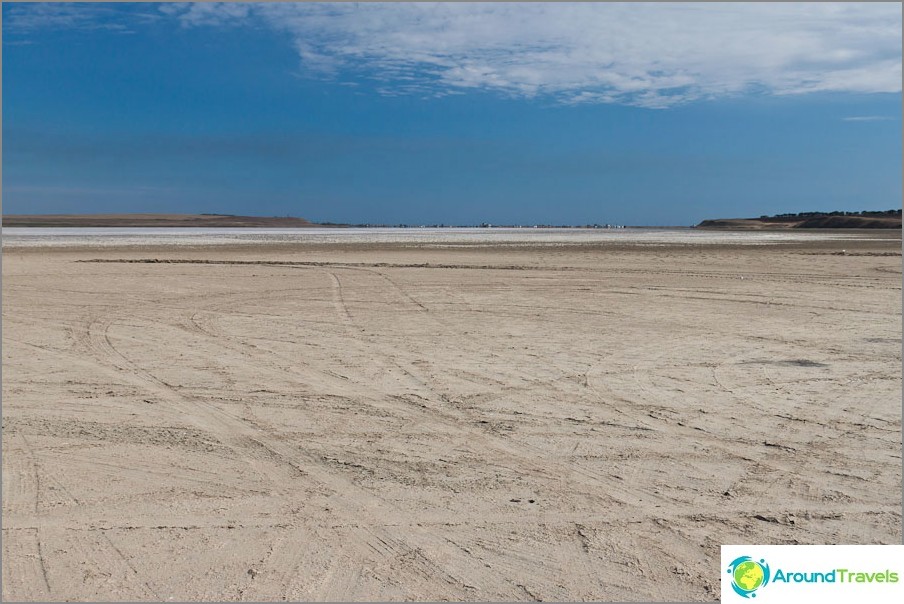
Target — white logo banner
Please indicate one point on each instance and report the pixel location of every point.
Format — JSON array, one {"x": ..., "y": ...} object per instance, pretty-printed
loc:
[{"x": 820, "y": 574}]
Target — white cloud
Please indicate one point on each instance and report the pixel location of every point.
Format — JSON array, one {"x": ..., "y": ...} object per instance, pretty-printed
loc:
[
  {"x": 868, "y": 118},
  {"x": 207, "y": 13},
  {"x": 648, "y": 54},
  {"x": 24, "y": 19}
]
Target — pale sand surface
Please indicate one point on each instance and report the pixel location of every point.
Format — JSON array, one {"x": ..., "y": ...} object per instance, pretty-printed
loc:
[{"x": 589, "y": 422}]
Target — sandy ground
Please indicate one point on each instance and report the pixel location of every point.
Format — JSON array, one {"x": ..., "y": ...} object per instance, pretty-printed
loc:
[{"x": 586, "y": 422}]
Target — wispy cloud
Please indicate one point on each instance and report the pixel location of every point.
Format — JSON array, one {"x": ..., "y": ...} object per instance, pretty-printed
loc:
[
  {"x": 24, "y": 19},
  {"x": 868, "y": 118},
  {"x": 645, "y": 54}
]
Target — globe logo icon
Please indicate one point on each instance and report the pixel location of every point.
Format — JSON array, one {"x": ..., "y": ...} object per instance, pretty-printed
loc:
[{"x": 748, "y": 575}]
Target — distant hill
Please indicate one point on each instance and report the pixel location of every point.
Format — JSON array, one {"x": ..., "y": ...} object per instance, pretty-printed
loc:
[
  {"x": 890, "y": 219},
  {"x": 156, "y": 220}
]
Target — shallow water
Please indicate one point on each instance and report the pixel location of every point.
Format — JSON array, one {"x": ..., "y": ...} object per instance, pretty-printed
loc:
[{"x": 31, "y": 237}]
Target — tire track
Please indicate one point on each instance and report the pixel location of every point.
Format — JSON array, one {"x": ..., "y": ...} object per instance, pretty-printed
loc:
[
  {"x": 522, "y": 456},
  {"x": 261, "y": 446}
]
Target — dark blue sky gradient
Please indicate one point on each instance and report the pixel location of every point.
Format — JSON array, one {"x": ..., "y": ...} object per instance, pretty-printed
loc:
[{"x": 171, "y": 119}]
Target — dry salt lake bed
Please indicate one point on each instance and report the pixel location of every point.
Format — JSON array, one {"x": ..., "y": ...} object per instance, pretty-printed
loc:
[{"x": 466, "y": 414}]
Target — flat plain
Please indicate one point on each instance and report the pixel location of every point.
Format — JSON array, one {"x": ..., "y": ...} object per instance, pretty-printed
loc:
[{"x": 441, "y": 422}]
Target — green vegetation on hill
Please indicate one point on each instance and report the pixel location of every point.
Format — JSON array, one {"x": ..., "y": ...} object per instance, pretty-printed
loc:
[
  {"x": 869, "y": 219},
  {"x": 806, "y": 215}
]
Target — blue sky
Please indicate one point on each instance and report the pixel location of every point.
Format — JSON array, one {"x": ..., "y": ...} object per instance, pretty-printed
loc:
[{"x": 656, "y": 114}]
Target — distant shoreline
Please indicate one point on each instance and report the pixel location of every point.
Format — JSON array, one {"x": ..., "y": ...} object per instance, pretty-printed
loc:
[
  {"x": 159, "y": 220},
  {"x": 291, "y": 222},
  {"x": 232, "y": 221}
]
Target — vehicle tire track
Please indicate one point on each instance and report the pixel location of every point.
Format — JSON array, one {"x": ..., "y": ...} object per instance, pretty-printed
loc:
[{"x": 261, "y": 446}]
